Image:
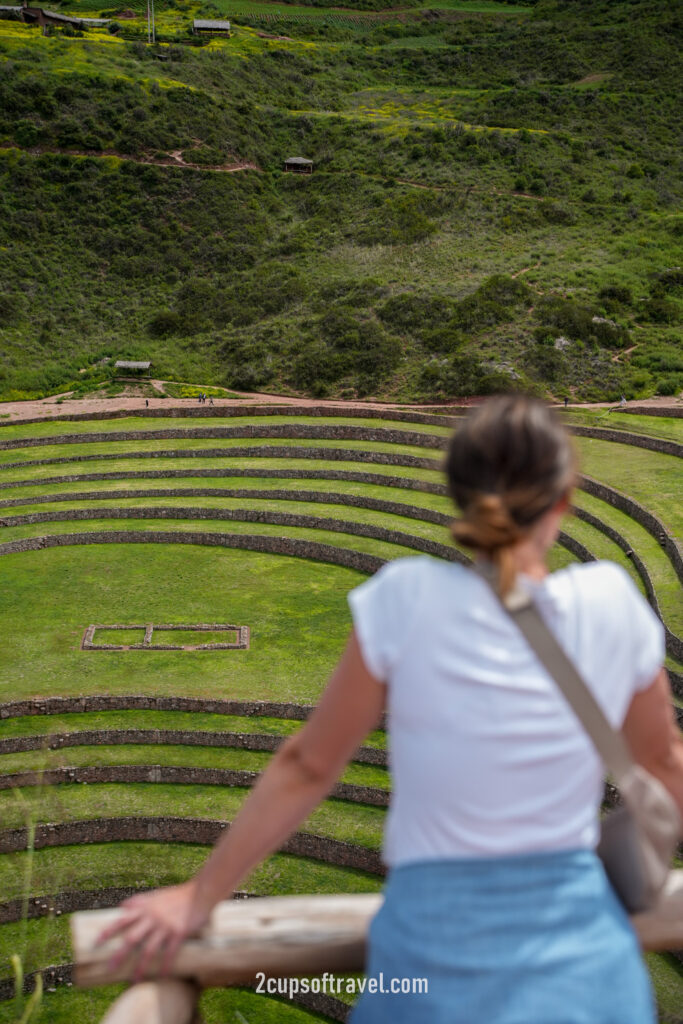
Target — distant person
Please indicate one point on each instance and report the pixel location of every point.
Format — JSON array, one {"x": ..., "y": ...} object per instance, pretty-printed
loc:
[
  {"x": 495, "y": 894},
  {"x": 566, "y": 401},
  {"x": 147, "y": 403},
  {"x": 210, "y": 399},
  {"x": 622, "y": 401},
  {"x": 199, "y": 398}
]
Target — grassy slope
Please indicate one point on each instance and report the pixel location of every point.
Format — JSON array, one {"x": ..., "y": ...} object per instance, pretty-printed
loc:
[{"x": 259, "y": 279}]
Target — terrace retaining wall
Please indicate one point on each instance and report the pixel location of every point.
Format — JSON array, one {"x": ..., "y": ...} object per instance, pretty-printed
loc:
[
  {"x": 178, "y": 776},
  {"x": 346, "y": 557},
  {"x": 198, "y": 831},
  {"x": 255, "y": 741},
  {"x": 194, "y": 512}
]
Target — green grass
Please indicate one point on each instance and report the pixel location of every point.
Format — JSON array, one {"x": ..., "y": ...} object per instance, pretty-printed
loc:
[
  {"x": 177, "y": 756},
  {"x": 296, "y": 610},
  {"x": 354, "y": 823},
  {"x": 666, "y": 583},
  {"x": 217, "y": 1006},
  {"x": 293, "y": 647},
  {"x": 148, "y": 865},
  {"x": 667, "y": 427},
  {"x": 48, "y": 427},
  {"x": 648, "y": 477}
]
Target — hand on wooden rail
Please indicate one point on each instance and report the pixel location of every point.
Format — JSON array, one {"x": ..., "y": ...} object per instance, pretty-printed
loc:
[{"x": 153, "y": 926}]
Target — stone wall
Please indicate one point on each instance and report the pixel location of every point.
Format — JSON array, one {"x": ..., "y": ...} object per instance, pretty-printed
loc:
[
  {"x": 72, "y": 900},
  {"x": 266, "y": 742},
  {"x": 234, "y": 411},
  {"x": 149, "y": 702},
  {"x": 345, "y": 557},
  {"x": 301, "y": 431},
  {"x": 262, "y": 451},
  {"x": 337, "y": 431},
  {"x": 396, "y": 508},
  {"x": 641, "y": 515},
  {"x": 63, "y": 974},
  {"x": 653, "y": 444},
  {"x": 178, "y": 776},
  {"x": 674, "y": 644},
  {"x": 202, "y": 831},
  {"x": 381, "y": 479},
  {"x": 287, "y": 519}
]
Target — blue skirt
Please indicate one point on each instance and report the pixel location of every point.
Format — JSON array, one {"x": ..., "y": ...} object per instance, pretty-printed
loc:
[{"x": 533, "y": 939}]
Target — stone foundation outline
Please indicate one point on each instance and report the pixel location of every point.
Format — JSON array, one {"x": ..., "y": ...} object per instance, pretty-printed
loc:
[{"x": 240, "y": 644}]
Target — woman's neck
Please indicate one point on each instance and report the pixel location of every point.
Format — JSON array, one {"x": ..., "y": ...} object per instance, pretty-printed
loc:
[{"x": 530, "y": 559}]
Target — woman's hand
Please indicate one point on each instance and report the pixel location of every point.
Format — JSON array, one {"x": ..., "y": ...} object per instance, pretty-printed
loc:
[{"x": 153, "y": 925}]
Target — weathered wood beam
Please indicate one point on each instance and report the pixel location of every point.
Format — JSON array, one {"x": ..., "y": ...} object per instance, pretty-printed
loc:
[
  {"x": 298, "y": 935},
  {"x": 171, "y": 1001},
  {"x": 281, "y": 936}
]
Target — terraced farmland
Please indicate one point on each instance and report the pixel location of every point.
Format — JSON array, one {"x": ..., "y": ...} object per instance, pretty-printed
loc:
[{"x": 117, "y": 768}]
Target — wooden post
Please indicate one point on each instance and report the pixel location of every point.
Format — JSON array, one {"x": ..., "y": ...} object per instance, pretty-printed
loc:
[{"x": 171, "y": 1001}]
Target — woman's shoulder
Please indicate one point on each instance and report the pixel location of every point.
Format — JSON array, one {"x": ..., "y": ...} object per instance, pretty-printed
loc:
[
  {"x": 596, "y": 579},
  {"x": 606, "y": 591},
  {"x": 415, "y": 569}
]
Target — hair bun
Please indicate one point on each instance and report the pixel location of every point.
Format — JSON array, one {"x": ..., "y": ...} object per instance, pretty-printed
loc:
[{"x": 486, "y": 524}]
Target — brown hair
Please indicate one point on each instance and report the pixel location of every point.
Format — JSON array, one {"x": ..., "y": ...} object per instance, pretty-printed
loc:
[{"x": 508, "y": 464}]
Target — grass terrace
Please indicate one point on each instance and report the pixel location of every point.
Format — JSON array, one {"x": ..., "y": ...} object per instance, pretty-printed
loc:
[{"x": 360, "y": 495}]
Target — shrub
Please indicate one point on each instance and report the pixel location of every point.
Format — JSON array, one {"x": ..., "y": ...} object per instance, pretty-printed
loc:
[
  {"x": 672, "y": 384},
  {"x": 461, "y": 376},
  {"x": 580, "y": 323},
  {"x": 166, "y": 323},
  {"x": 661, "y": 310},
  {"x": 408, "y": 312},
  {"x": 616, "y": 295}
]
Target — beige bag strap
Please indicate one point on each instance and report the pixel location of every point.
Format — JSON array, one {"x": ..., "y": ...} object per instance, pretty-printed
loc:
[{"x": 609, "y": 743}]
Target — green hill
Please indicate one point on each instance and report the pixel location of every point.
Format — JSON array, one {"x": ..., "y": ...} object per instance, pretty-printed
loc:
[{"x": 494, "y": 199}]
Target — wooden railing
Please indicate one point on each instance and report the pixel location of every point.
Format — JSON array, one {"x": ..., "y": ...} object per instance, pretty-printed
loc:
[{"x": 282, "y": 936}]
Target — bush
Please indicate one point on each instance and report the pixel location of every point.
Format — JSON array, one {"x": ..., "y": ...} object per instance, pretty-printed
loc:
[
  {"x": 580, "y": 323},
  {"x": 672, "y": 384},
  {"x": 409, "y": 312},
  {"x": 661, "y": 310},
  {"x": 347, "y": 348},
  {"x": 616, "y": 295},
  {"x": 461, "y": 376},
  {"x": 166, "y": 323}
]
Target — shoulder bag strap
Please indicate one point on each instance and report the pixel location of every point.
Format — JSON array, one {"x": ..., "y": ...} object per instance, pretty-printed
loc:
[{"x": 609, "y": 743}]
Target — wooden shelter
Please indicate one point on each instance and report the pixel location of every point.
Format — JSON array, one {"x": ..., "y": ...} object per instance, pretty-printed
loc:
[
  {"x": 298, "y": 165},
  {"x": 201, "y": 26},
  {"x": 133, "y": 366},
  {"x": 41, "y": 16}
]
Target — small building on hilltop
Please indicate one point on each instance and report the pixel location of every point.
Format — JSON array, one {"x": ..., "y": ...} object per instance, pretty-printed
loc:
[
  {"x": 140, "y": 367},
  {"x": 201, "y": 26},
  {"x": 41, "y": 16},
  {"x": 299, "y": 165}
]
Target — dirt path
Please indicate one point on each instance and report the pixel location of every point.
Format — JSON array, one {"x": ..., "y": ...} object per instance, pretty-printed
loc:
[
  {"x": 620, "y": 355},
  {"x": 525, "y": 270},
  {"x": 48, "y": 407},
  {"x": 175, "y": 159}
]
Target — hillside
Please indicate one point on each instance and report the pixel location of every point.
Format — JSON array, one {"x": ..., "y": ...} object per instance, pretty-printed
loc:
[{"x": 494, "y": 201}]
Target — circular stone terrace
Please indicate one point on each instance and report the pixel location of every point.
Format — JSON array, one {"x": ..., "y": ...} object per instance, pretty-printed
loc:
[{"x": 176, "y": 527}]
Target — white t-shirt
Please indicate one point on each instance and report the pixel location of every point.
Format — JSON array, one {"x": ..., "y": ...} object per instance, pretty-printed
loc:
[{"x": 486, "y": 757}]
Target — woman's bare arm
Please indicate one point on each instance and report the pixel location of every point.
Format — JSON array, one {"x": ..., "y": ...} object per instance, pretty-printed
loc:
[
  {"x": 298, "y": 777},
  {"x": 653, "y": 735}
]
